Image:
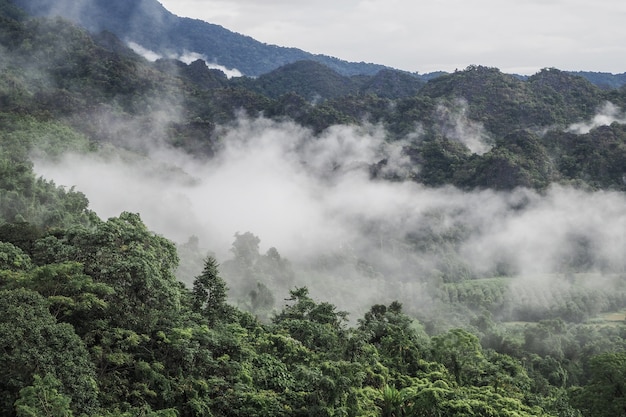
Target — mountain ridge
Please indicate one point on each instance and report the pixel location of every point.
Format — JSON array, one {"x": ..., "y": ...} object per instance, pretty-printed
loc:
[
  {"x": 469, "y": 201},
  {"x": 150, "y": 25},
  {"x": 86, "y": 73}
]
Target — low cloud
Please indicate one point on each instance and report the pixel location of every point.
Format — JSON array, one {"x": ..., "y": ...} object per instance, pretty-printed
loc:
[
  {"x": 144, "y": 52},
  {"x": 456, "y": 125},
  {"x": 352, "y": 239},
  {"x": 606, "y": 115},
  {"x": 187, "y": 57}
]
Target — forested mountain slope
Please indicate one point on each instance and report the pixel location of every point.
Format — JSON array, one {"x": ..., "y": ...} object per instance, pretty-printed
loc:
[
  {"x": 149, "y": 24},
  {"x": 468, "y": 233}
]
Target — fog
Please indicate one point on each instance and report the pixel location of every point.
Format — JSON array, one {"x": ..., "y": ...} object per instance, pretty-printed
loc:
[
  {"x": 606, "y": 115},
  {"x": 455, "y": 124},
  {"x": 351, "y": 239},
  {"x": 187, "y": 57}
]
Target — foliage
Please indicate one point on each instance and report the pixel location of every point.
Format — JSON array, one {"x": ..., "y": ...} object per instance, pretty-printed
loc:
[
  {"x": 33, "y": 342},
  {"x": 94, "y": 322},
  {"x": 605, "y": 395},
  {"x": 43, "y": 399},
  {"x": 209, "y": 293}
]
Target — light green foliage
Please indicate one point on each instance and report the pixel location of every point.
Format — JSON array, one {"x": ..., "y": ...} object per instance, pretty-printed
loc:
[
  {"x": 461, "y": 353},
  {"x": 13, "y": 258},
  {"x": 42, "y": 399},
  {"x": 44, "y": 139},
  {"x": 434, "y": 397},
  {"x": 23, "y": 197},
  {"x": 73, "y": 297}
]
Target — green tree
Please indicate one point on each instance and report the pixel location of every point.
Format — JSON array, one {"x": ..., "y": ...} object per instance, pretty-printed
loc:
[
  {"x": 32, "y": 342},
  {"x": 209, "y": 293},
  {"x": 73, "y": 296},
  {"x": 13, "y": 258},
  {"x": 138, "y": 264},
  {"x": 319, "y": 326},
  {"x": 393, "y": 402},
  {"x": 43, "y": 399},
  {"x": 605, "y": 395},
  {"x": 461, "y": 353},
  {"x": 399, "y": 339}
]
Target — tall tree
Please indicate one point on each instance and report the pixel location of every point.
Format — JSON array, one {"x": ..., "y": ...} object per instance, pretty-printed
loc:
[{"x": 209, "y": 292}]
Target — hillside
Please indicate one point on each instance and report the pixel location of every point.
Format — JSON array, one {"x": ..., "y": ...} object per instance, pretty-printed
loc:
[
  {"x": 303, "y": 243},
  {"x": 466, "y": 118},
  {"x": 149, "y": 24}
]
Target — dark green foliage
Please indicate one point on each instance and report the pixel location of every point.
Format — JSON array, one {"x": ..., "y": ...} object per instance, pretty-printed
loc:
[
  {"x": 309, "y": 79},
  {"x": 101, "y": 73},
  {"x": 316, "y": 326},
  {"x": 442, "y": 160},
  {"x": 597, "y": 157},
  {"x": 606, "y": 393},
  {"x": 209, "y": 293},
  {"x": 93, "y": 322},
  {"x": 401, "y": 344},
  {"x": 135, "y": 262},
  {"x": 505, "y": 103},
  {"x": 392, "y": 84},
  {"x": 33, "y": 342},
  {"x": 569, "y": 97},
  {"x": 519, "y": 160},
  {"x": 197, "y": 72},
  {"x": 603, "y": 80},
  {"x": 149, "y": 24}
]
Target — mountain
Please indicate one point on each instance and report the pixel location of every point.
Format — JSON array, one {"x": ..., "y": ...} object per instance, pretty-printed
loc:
[
  {"x": 149, "y": 24},
  {"x": 483, "y": 213},
  {"x": 314, "y": 81},
  {"x": 603, "y": 80},
  {"x": 468, "y": 121},
  {"x": 310, "y": 79},
  {"x": 503, "y": 101}
]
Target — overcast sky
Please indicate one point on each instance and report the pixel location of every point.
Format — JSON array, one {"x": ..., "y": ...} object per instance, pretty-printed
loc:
[{"x": 520, "y": 36}]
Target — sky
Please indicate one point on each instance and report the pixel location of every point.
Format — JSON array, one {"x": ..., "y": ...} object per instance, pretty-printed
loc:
[{"x": 516, "y": 36}]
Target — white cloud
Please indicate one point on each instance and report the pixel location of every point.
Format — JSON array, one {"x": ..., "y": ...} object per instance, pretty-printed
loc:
[
  {"x": 187, "y": 57},
  {"x": 312, "y": 196},
  {"x": 455, "y": 124},
  {"x": 144, "y": 52},
  {"x": 606, "y": 115}
]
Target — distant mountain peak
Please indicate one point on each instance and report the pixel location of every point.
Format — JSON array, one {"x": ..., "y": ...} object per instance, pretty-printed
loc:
[{"x": 149, "y": 24}]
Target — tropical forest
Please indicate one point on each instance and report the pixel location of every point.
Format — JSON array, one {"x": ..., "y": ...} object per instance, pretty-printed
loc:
[{"x": 317, "y": 239}]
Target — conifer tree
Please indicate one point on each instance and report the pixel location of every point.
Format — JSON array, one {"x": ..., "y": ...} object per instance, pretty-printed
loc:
[{"x": 209, "y": 292}]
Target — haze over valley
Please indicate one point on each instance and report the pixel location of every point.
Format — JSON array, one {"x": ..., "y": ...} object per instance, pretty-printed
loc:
[{"x": 194, "y": 223}]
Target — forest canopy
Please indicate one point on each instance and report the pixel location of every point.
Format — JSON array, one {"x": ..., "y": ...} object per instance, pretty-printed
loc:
[{"x": 461, "y": 252}]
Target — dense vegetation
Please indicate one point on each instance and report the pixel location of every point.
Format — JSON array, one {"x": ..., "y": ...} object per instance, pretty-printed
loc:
[
  {"x": 94, "y": 322},
  {"x": 149, "y": 24}
]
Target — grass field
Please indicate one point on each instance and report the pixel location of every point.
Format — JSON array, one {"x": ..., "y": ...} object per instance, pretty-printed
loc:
[{"x": 616, "y": 316}]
